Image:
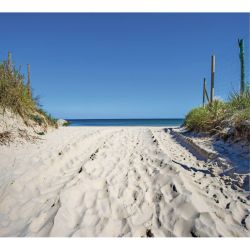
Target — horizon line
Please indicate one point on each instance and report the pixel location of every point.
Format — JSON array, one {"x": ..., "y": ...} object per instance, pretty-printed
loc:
[{"x": 119, "y": 118}]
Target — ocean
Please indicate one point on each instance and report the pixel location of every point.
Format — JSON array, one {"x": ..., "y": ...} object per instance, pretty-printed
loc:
[{"x": 126, "y": 122}]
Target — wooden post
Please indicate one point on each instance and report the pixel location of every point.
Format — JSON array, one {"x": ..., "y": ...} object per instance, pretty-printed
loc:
[
  {"x": 9, "y": 62},
  {"x": 28, "y": 82},
  {"x": 242, "y": 67},
  {"x": 205, "y": 95},
  {"x": 204, "y": 88},
  {"x": 212, "y": 78}
]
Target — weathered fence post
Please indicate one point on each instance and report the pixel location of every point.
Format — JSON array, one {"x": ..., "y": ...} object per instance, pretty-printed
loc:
[
  {"x": 204, "y": 87},
  {"x": 242, "y": 67},
  {"x": 212, "y": 78},
  {"x": 28, "y": 81},
  {"x": 205, "y": 95}
]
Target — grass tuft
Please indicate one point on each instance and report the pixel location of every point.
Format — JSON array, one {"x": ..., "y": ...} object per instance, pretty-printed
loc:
[
  {"x": 17, "y": 97},
  {"x": 219, "y": 116}
]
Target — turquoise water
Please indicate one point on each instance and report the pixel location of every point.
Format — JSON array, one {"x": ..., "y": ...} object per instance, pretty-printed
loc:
[{"x": 126, "y": 122}]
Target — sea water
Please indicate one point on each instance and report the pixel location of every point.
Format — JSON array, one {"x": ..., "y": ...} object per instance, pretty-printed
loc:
[{"x": 126, "y": 122}]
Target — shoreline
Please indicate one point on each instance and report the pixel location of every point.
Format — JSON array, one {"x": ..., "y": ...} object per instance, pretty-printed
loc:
[
  {"x": 115, "y": 181},
  {"x": 134, "y": 126}
]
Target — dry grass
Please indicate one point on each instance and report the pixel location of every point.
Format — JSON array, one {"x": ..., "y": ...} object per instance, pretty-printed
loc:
[
  {"x": 16, "y": 97},
  {"x": 5, "y": 138}
]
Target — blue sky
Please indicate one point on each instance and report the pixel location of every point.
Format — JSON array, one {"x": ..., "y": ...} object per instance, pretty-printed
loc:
[{"x": 125, "y": 65}]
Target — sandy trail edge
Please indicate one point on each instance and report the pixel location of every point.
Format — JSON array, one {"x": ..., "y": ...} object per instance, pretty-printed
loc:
[{"x": 115, "y": 181}]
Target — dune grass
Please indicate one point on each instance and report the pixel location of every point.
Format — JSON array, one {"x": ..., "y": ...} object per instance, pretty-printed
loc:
[
  {"x": 239, "y": 107},
  {"x": 16, "y": 97},
  {"x": 219, "y": 116}
]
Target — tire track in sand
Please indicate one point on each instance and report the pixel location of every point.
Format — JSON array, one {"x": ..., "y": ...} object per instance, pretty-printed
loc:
[{"x": 120, "y": 182}]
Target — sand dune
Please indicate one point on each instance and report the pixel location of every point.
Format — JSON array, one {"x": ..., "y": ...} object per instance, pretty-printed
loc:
[{"x": 114, "y": 182}]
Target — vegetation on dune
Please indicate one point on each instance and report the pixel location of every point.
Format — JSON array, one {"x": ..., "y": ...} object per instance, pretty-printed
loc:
[
  {"x": 66, "y": 124},
  {"x": 204, "y": 119},
  {"x": 16, "y": 96},
  {"x": 225, "y": 119},
  {"x": 230, "y": 119}
]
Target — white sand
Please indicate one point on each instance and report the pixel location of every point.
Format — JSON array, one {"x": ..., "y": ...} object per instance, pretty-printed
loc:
[{"x": 114, "y": 182}]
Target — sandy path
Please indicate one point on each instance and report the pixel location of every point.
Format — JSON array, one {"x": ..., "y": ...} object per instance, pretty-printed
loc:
[{"x": 114, "y": 182}]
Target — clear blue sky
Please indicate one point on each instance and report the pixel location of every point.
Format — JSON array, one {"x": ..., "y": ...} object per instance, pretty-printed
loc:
[{"x": 125, "y": 65}]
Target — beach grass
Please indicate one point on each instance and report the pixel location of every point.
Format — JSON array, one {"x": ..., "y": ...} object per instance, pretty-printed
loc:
[
  {"x": 230, "y": 117},
  {"x": 16, "y": 96}
]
